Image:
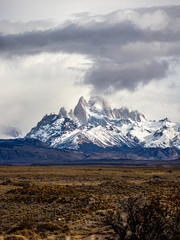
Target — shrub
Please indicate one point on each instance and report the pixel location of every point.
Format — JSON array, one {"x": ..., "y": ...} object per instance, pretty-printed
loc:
[
  {"x": 144, "y": 220},
  {"x": 48, "y": 226},
  {"x": 30, "y": 235}
]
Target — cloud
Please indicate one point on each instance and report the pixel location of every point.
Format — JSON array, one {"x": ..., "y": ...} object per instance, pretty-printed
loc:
[
  {"x": 108, "y": 77},
  {"x": 128, "y": 48},
  {"x": 32, "y": 86},
  {"x": 7, "y": 27}
]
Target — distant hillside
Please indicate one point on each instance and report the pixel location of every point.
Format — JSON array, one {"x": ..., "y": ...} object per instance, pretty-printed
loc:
[{"x": 35, "y": 152}]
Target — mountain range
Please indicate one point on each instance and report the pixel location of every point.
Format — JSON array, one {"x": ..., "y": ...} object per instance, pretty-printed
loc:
[
  {"x": 94, "y": 132},
  {"x": 95, "y": 122}
]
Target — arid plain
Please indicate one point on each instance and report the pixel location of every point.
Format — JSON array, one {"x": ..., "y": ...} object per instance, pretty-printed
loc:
[{"x": 79, "y": 202}]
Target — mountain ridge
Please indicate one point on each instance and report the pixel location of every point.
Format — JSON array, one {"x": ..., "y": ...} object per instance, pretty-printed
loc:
[
  {"x": 95, "y": 122},
  {"x": 94, "y": 133},
  {"x": 34, "y": 152}
]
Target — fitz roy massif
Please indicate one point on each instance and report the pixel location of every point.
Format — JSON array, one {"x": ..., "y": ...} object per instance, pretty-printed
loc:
[
  {"x": 97, "y": 123},
  {"x": 93, "y": 130}
]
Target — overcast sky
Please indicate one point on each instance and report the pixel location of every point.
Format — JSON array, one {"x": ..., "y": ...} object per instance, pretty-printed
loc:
[{"x": 52, "y": 52}]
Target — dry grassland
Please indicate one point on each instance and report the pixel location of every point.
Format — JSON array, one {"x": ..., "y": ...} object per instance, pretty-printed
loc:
[{"x": 54, "y": 202}]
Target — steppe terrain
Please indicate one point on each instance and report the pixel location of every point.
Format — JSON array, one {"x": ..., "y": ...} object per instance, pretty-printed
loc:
[{"x": 82, "y": 202}]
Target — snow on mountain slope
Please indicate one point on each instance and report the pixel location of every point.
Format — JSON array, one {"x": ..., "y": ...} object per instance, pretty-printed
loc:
[{"x": 97, "y": 123}]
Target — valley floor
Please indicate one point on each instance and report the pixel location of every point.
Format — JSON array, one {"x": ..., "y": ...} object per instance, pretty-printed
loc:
[{"x": 55, "y": 202}]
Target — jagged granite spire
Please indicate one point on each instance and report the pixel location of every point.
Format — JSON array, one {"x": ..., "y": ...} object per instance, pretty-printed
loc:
[
  {"x": 80, "y": 110},
  {"x": 63, "y": 112}
]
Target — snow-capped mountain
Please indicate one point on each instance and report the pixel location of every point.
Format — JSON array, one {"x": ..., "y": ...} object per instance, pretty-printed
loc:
[{"x": 96, "y": 123}]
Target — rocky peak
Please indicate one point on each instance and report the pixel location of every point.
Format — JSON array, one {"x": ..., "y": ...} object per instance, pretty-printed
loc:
[
  {"x": 99, "y": 108},
  {"x": 125, "y": 114},
  {"x": 63, "y": 112},
  {"x": 95, "y": 123},
  {"x": 71, "y": 114},
  {"x": 82, "y": 102},
  {"x": 80, "y": 110},
  {"x": 165, "y": 120}
]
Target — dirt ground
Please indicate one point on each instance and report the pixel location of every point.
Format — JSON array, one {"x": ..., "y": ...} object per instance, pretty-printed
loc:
[{"x": 55, "y": 202}]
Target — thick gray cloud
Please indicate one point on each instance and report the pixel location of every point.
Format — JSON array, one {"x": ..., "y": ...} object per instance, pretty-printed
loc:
[
  {"x": 109, "y": 78},
  {"x": 127, "y": 48},
  {"x": 99, "y": 39}
]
